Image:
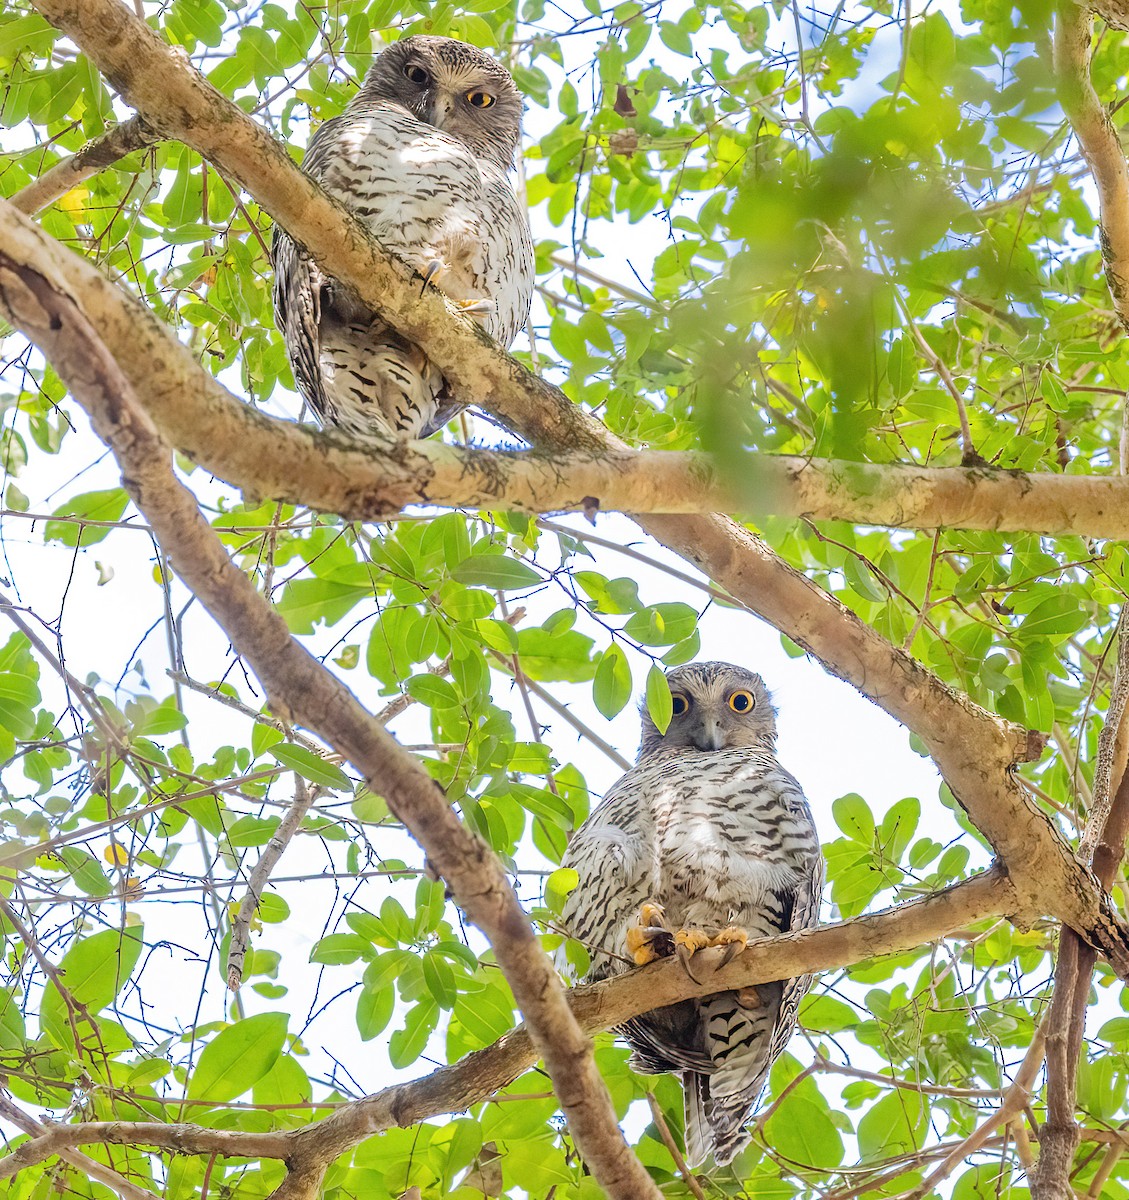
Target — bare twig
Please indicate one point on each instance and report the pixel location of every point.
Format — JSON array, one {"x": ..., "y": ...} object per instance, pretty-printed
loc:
[
  {"x": 241, "y": 927},
  {"x": 692, "y": 1185}
]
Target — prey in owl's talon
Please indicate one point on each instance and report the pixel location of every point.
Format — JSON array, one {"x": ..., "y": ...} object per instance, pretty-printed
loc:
[{"x": 650, "y": 939}]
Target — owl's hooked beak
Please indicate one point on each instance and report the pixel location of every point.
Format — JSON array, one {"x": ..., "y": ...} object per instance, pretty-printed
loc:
[
  {"x": 709, "y": 735},
  {"x": 442, "y": 106}
]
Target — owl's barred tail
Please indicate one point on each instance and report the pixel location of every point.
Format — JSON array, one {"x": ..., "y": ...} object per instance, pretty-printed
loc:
[
  {"x": 713, "y": 1125},
  {"x": 699, "y": 1135}
]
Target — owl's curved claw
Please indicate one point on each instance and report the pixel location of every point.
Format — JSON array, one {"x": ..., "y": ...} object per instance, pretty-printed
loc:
[
  {"x": 431, "y": 272},
  {"x": 688, "y": 942},
  {"x": 734, "y": 939},
  {"x": 479, "y": 309},
  {"x": 684, "y": 956}
]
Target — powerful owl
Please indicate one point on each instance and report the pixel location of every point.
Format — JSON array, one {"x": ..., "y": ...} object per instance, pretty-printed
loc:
[
  {"x": 706, "y": 841},
  {"x": 423, "y": 155}
]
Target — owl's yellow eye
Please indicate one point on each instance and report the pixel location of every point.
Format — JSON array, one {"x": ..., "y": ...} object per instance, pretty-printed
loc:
[
  {"x": 479, "y": 99},
  {"x": 679, "y": 703},
  {"x": 417, "y": 74},
  {"x": 742, "y": 701}
]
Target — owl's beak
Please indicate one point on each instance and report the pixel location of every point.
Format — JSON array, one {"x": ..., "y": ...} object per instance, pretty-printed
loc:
[
  {"x": 710, "y": 736},
  {"x": 442, "y": 106}
]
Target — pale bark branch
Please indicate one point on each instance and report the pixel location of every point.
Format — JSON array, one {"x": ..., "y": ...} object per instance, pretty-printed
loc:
[
  {"x": 91, "y": 1167},
  {"x": 300, "y": 687},
  {"x": 272, "y": 459},
  {"x": 95, "y": 156},
  {"x": 596, "y": 1007},
  {"x": 1099, "y": 140}
]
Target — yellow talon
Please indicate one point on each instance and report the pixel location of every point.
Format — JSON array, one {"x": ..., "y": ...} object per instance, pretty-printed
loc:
[
  {"x": 652, "y": 914},
  {"x": 650, "y": 929},
  {"x": 734, "y": 939},
  {"x": 692, "y": 940}
]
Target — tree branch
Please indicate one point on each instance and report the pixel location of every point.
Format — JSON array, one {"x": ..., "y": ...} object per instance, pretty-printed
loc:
[
  {"x": 596, "y": 1007},
  {"x": 298, "y": 685},
  {"x": 974, "y": 749},
  {"x": 279, "y": 460},
  {"x": 95, "y": 156},
  {"x": 1100, "y": 143},
  {"x": 281, "y": 838}
]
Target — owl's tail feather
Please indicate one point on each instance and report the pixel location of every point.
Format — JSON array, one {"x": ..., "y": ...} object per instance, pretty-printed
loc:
[
  {"x": 699, "y": 1135},
  {"x": 727, "y": 1116},
  {"x": 714, "y": 1125}
]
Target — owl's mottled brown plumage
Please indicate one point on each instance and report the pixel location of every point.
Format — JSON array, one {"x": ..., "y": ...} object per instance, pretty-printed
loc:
[
  {"x": 423, "y": 155},
  {"x": 708, "y": 825}
]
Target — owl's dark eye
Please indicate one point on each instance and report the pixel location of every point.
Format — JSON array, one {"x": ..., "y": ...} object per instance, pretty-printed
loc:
[
  {"x": 679, "y": 703},
  {"x": 417, "y": 74},
  {"x": 742, "y": 701},
  {"x": 479, "y": 99}
]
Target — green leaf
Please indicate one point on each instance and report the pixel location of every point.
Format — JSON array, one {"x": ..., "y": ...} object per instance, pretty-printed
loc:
[
  {"x": 433, "y": 690},
  {"x": 107, "y": 505},
  {"x": 852, "y": 815},
  {"x": 311, "y": 767},
  {"x": 94, "y": 971},
  {"x": 611, "y": 687},
  {"x": 440, "y": 980},
  {"x": 374, "y": 1011},
  {"x": 497, "y": 571},
  {"x": 896, "y": 1124},
  {"x": 337, "y": 948},
  {"x": 659, "y": 701},
  {"x": 802, "y": 1130},
  {"x": 238, "y": 1057}
]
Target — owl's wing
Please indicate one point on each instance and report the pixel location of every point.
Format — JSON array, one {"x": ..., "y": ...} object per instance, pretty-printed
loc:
[
  {"x": 298, "y": 287},
  {"x": 608, "y": 853}
]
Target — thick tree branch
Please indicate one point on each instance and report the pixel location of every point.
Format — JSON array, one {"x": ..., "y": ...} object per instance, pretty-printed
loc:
[
  {"x": 596, "y": 1007},
  {"x": 297, "y": 684},
  {"x": 1099, "y": 140},
  {"x": 279, "y": 460}
]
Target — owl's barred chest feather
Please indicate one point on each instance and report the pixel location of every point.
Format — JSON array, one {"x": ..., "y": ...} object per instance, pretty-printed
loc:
[{"x": 715, "y": 837}]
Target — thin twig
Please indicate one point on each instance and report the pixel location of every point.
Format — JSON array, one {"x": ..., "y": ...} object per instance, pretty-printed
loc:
[{"x": 281, "y": 838}]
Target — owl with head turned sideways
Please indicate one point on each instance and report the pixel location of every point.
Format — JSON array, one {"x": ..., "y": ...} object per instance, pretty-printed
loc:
[
  {"x": 423, "y": 155},
  {"x": 705, "y": 841}
]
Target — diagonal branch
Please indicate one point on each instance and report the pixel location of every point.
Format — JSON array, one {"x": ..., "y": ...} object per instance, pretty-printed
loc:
[
  {"x": 298, "y": 685},
  {"x": 95, "y": 156},
  {"x": 1100, "y": 143}
]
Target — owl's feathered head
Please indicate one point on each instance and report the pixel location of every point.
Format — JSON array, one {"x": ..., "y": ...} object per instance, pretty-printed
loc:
[
  {"x": 453, "y": 86},
  {"x": 717, "y": 706}
]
